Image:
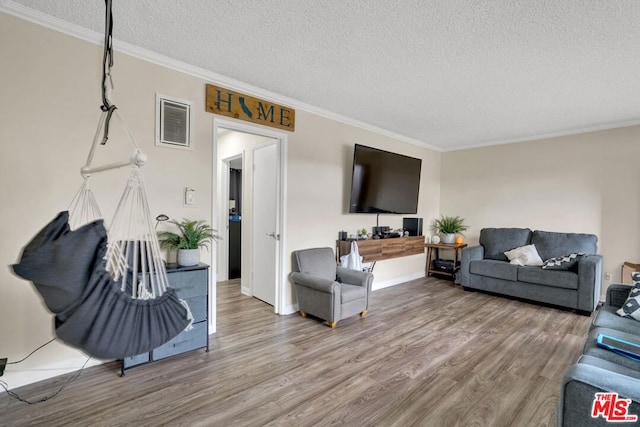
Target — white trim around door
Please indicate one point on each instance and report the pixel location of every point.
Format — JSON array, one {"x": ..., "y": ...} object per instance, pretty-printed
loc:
[{"x": 218, "y": 205}]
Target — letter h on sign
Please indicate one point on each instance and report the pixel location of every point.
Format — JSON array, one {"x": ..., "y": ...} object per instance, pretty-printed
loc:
[{"x": 219, "y": 100}]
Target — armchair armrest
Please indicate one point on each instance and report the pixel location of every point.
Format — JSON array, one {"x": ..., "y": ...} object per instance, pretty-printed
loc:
[
  {"x": 617, "y": 294},
  {"x": 589, "y": 282},
  {"x": 355, "y": 277},
  {"x": 468, "y": 254},
  {"x": 315, "y": 282},
  {"x": 579, "y": 386}
]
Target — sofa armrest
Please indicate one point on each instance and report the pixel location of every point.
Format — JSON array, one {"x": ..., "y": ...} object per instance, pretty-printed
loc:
[
  {"x": 579, "y": 386},
  {"x": 617, "y": 294},
  {"x": 315, "y": 282},
  {"x": 355, "y": 277},
  {"x": 468, "y": 254},
  {"x": 589, "y": 282}
]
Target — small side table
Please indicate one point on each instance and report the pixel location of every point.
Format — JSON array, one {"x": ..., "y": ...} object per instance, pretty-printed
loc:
[{"x": 431, "y": 247}]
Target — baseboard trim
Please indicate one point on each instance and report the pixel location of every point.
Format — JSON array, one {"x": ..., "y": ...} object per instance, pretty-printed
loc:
[
  {"x": 396, "y": 281},
  {"x": 34, "y": 374},
  {"x": 289, "y": 309}
]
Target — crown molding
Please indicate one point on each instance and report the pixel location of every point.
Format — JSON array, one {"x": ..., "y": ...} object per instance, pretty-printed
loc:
[
  {"x": 15, "y": 9},
  {"x": 539, "y": 137}
]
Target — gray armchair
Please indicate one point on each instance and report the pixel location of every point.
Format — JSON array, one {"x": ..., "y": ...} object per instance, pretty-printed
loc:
[{"x": 326, "y": 290}]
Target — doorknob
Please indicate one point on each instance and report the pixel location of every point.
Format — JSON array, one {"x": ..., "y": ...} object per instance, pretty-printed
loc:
[{"x": 274, "y": 235}]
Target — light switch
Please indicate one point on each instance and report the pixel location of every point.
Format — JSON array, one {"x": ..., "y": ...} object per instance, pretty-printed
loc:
[{"x": 189, "y": 196}]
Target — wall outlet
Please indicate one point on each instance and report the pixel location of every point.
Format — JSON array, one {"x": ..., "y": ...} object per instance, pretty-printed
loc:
[{"x": 607, "y": 276}]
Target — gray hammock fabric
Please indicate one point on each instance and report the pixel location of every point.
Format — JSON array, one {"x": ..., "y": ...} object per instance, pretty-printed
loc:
[{"x": 91, "y": 312}]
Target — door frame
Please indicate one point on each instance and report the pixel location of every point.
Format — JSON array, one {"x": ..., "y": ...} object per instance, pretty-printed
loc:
[{"x": 218, "y": 204}]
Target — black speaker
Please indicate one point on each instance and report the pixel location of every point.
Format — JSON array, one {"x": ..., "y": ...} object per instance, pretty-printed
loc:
[
  {"x": 381, "y": 230},
  {"x": 413, "y": 226}
]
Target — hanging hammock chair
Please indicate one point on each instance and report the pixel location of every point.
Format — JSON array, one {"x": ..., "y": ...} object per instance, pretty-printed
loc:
[{"x": 108, "y": 291}]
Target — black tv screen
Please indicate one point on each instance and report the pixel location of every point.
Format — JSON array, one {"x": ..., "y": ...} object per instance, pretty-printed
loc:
[{"x": 384, "y": 182}]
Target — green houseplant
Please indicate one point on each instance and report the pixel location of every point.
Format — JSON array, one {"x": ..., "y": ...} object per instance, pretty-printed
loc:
[
  {"x": 449, "y": 226},
  {"x": 191, "y": 236}
]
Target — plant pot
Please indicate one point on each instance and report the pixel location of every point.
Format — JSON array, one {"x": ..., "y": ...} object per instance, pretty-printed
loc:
[
  {"x": 448, "y": 238},
  {"x": 188, "y": 257}
]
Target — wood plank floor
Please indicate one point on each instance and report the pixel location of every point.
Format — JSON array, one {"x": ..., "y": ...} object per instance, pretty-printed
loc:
[{"x": 427, "y": 354}]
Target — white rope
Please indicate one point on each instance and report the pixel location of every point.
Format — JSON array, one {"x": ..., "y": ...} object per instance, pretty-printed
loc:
[
  {"x": 133, "y": 253},
  {"x": 84, "y": 207},
  {"x": 132, "y": 139},
  {"x": 189, "y": 315},
  {"x": 96, "y": 138}
]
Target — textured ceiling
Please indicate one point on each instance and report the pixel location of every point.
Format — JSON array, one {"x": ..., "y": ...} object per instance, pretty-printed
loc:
[{"x": 449, "y": 73}]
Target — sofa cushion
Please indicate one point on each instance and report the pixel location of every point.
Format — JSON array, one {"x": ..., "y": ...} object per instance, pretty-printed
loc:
[
  {"x": 591, "y": 347},
  {"x": 493, "y": 268},
  {"x": 524, "y": 255},
  {"x": 556, "y": 279},
  {"x": 550, "y": 244},
  {"x": 564, "y": 263},
  {"x": 609, "y": 366},
  {"x": 631, "y": 307},
  {"x": 497, "y": 241},
  {"x": 608, "y": 318},
  {"x": 352, "y": 292}
]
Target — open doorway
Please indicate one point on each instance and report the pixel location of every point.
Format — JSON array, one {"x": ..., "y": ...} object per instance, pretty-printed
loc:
[
  {"x": 234, "y": 237},
  {"x": 250, "y": 179}
]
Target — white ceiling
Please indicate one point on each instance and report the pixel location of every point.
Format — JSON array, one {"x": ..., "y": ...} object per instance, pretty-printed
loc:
[{"x": 448, "y": 73}]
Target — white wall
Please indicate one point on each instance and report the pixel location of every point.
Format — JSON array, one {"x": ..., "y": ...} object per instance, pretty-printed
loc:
[
  {"x": 320, "y": 156},
  {"x": 50, "y": 85},
  {"x": 582, "y": 183}
]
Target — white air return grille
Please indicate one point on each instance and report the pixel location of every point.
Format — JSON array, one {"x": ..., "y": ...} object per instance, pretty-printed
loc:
[{"x": 174, "y": 122}]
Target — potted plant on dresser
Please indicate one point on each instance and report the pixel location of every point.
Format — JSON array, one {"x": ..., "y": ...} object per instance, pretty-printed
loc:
[
  {"x": 191, "y": 236},
  {"x": 449, "y": 226}
]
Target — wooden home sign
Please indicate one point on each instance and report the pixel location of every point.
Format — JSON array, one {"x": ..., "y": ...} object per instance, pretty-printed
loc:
[{"x": 245, "y": 107}]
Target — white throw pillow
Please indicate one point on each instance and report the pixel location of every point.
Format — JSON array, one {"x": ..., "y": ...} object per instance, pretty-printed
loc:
[{"x": 524, "y": 255}]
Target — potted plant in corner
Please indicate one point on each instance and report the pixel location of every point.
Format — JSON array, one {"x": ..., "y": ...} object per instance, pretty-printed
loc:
[
  {"x": 191, "y": 236},
  {"x": 449, "y": 226}
]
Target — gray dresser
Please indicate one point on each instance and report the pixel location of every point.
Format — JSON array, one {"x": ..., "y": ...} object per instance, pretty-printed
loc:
[{"x": 191, "y": 285}]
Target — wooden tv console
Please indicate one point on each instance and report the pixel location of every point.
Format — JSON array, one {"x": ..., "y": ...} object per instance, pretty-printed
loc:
[{"x": 373, "y": 250}]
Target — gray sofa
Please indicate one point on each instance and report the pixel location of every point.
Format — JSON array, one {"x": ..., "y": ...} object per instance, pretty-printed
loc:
[
  {"x": 600, "y": 370},
  {"x": 485, "y": 267}
]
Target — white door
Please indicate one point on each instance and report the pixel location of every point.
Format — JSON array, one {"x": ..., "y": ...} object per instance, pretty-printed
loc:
[{"x": 265, "y": 232}]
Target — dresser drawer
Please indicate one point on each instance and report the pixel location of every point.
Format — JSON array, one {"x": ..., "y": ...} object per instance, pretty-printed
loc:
[
  {"x": 128, "y": 362},
  {"x": 188, "y": 284},
  {"x": 198, "y": 307},
  {"x": 185, "y": 341}
]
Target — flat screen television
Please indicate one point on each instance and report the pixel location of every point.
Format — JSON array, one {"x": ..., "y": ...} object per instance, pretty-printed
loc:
[{"x": 384, "y": 182}]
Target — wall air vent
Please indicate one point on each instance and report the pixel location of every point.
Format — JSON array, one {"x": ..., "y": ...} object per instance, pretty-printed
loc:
[{"x": 174, "y": 121}]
